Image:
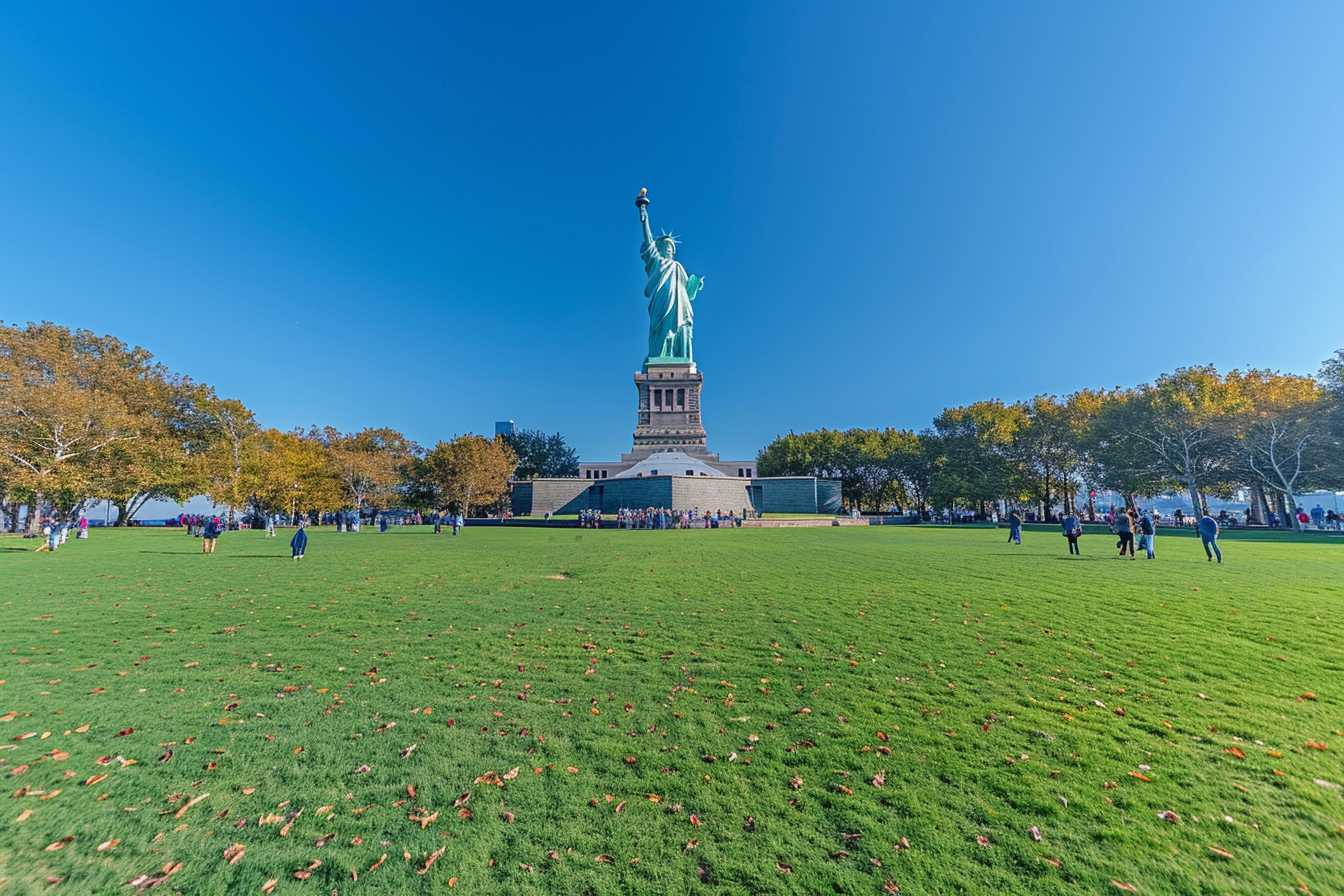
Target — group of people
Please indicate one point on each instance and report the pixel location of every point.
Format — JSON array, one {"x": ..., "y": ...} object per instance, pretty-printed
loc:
[
  {"x": 55, "y": 533},
  {"x": 667, "y": 518},
  {"x": 1126, "y": 525},
  {"x": 453, "y": 518}
]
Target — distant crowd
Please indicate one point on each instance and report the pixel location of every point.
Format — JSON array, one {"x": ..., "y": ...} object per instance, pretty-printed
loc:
[{"x": 662, "y": 518}]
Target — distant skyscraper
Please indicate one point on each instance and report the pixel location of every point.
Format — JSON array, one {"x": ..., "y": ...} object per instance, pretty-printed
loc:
[{"x": 504, "y": 428}]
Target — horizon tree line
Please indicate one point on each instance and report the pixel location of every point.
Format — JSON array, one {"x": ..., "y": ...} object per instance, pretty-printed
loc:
[
  {"x": 87, "y": 418},
  {"x": 1194, "y": 430}
]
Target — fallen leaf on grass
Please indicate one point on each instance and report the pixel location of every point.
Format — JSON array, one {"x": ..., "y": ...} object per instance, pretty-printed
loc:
[
  {"x": 61, "y": 843},
  {"x": 234, "y": 853},
  {"x": 186, "y": 807},
  {"x": 269, "y": 885},
  {"x": 1220, "y": 852},
  {"x": 423, "y": 818},
  {"x": 1141, "y": 776},
  {"x": 107, "y": 844},
  {"x": 1121, "y": 885},
  {"x": 1236, "y": 752},
  {"x": 150, "y": 881},
  {"x": 1035, "y": 833},
  {"x": 604, "y": 859},
  {"x": 378, "y": 864},
  {"x": 430, "y": 859}
]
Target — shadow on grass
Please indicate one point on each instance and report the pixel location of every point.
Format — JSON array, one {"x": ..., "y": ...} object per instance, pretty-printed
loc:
[{"x": 225, "y": 556}]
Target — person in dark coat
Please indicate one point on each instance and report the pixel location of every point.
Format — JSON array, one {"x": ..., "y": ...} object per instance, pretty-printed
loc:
[
  {"x": 299, "y": 542},
  {"x": 1208, "y": 537},
  {"x": 1015, "y": 527}
]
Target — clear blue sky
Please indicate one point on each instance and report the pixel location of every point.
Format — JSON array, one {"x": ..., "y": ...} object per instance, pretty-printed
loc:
[{"x": 377, "y": 214}]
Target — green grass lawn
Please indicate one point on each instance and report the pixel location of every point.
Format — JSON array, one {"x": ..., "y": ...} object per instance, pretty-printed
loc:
[{"x": 840, "y": 710}]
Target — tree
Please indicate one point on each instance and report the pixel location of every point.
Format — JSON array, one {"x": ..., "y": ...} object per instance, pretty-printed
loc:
[
  {"x": 369, "y": 465},
  {"x": 1179, "y": 429},
  {"x": 63, "y": 409},
  {"x": 978, "y": 466},
  {"x": 1045, "y": 450},
  {"x": 162, "y": 463},
  {"x": 541, "y": 455},
  {"x": 470, "y": 470},
  {"x": 230, "y": 427},
  {"x": 1283, "y": 433},
  {"x": 1332, "y": 380},
  {"x": 289, "y": 471}
]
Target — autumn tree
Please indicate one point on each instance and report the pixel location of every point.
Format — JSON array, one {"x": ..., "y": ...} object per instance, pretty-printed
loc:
[
  {"x": 1283, "y": 434},
  {"x": 290, "y": 472},
  {"x": 63, "y": 409},
  {"x": 471, "y": 471},
  {"x": 369, "y": 464},
  {"x": 1178, "y": 430},
  {"x": 231, "y": 430},
  {"x": 166, "y": 461}
]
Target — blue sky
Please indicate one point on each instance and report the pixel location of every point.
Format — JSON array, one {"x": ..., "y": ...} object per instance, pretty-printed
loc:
[{"x": 418, "y": 217}]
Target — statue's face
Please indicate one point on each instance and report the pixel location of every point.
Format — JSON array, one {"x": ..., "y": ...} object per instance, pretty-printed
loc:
[{"x": 668, "y": 246}]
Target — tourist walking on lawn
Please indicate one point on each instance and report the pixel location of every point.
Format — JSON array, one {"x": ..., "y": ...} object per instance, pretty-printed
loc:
[
  {"x": 299, "y": 543},
  {"x": 1208, "y": 536},
  {"x": 1072, "y": 527},
  {"x": 1148, "y": 533},
  {"x": 270, "y": 525},
  {"x": 1015, "y": 528},
  {"x": 210, "y": 535},
  {"x": 1124, "y": 529},
  {"x": 83, "y": 528}
]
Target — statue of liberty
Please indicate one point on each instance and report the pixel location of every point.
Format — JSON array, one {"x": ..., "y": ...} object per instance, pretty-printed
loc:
[{"x": 670, "y": 291}]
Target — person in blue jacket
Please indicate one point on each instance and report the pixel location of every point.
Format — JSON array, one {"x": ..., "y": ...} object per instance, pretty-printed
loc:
[
  {"x": 1208, "y": 536},
  {"x": 1015, "y": 528},
  {"x": 299, "y": 543}
]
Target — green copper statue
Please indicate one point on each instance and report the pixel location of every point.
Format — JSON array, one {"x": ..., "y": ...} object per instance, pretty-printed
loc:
[{"x": 670, "y": 292}]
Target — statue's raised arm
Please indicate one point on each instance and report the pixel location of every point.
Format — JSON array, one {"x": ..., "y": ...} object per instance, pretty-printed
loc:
[{"x": 642, "y": 203}]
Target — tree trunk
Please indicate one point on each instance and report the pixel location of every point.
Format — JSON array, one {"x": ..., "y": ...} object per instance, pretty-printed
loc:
[
  {"x": 123, "y": 513},
  {"x": 1257, "y": 513},
  {"x": 35, "y": 514},
  {"x": 1196, "y": 499}
]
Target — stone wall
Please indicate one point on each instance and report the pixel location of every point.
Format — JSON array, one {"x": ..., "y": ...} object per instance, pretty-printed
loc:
[
  {"x": 710, "y": 493},
  {"x": 783, "y": 494}
]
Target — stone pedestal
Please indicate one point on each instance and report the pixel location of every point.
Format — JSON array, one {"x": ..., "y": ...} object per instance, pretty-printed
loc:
[{"x": 669, "y": 411}]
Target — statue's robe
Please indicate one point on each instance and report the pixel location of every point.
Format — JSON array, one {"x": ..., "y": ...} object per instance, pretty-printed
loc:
[{"x": 670, "y": 291}]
